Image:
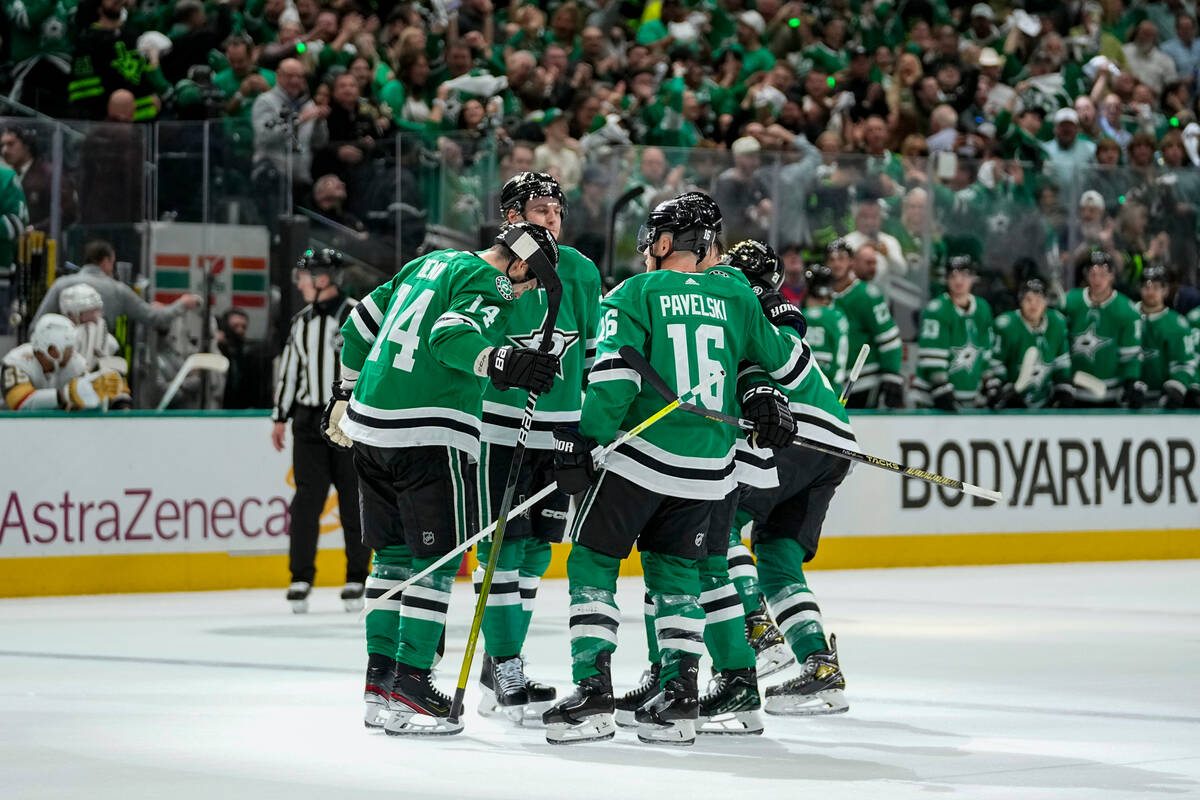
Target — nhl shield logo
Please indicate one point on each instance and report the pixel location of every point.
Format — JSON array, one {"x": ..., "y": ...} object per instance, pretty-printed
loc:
[
  {"x": 699, "y": 538},
  {"x": 427, "y": 538},
  {"x": 504, "y": 287}
]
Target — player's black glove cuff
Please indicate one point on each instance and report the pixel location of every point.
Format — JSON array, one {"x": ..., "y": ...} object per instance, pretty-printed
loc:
[
  {"x": 1174, "y": 395},
  {"x": 332, "y": 415},
  {"x": 574, "y": 469},
  {"x": 522, "y": 368},
  {"x": 945, "y": 401},
  {"x": 893, "y": 393},
  {"x": 999, "y": 395},
  {"x": 767, "y": 408},
  {"x": 1063, "y": 396},
  {"x": 1135, "y": 394},
  {"x": 782, "y": 311},
  {"x": 1193, "y": 397}
]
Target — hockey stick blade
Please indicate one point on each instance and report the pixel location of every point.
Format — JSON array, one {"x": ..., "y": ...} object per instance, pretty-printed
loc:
[
  {"x": 855, "y": 371},
  {"x": 1029, "y": 362},
  {"x": 1090, "y": 384}
]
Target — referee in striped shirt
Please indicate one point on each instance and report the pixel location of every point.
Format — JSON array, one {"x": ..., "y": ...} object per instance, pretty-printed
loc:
[{"x": 310, "y": 363}]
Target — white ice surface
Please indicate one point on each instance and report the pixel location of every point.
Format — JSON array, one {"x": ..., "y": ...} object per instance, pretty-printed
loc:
[{"x": 1057, "y": 681}]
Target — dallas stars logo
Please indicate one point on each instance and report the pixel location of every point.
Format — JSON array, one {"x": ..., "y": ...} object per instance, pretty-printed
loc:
[
  {"x": 1088, "y": 343},
  {"x": 560, "y": 342},
  {"x": 964, "y": 358}
]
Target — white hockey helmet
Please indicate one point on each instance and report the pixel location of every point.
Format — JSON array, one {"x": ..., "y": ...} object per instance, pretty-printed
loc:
[
  {"x": 53, "y": 330},
  {"x": 79, "y": 298}
]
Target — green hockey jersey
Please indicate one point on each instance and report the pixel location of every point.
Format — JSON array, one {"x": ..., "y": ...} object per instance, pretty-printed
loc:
[
  {"x": 1168, "y": 356},
  {"x": 1193, "y": 317},
  {"x": 871, "y": 323},
  {"x": 413, "y": 347},
  {"x": 829, "y": 337},
  {"x": 574, "y": 344},
  {"x": 815, "y": 407},
  {"x": 1014, "y": 336},
  {"x": 955, "y": 350},
  {"x": 14, "y": 216},
  {"x": 1106, "y": 338},
  {"x": 688, "y": 326}
]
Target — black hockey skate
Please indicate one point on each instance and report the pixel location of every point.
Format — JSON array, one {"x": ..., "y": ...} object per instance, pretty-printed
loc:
[
  {"x": 770, "y": 650},
  {"x": 352, "y": 596},
  {"x": 819, "y": 689},
  {"x": 628, "y": 703},
  {"x": 381, "y": 676},
  {"x": 731, "y": 705},
  {"x": 502, "y": 688},
  {"x": 418, "y": 708},
  {"x": 297, "y": 596},
  {"x": 669, "y": 717},
  {"x": 587, "y": 715}
]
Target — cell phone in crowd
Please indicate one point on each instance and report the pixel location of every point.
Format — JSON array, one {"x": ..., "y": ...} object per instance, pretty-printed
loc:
[{"x": 947, "y": 165}]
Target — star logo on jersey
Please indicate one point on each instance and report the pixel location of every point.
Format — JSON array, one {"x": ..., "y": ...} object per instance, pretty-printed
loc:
[
  {"x": 560, "y": 342},
  {"x": 1087, "y": 344},
  {"x": 504, "y": 287},
  {"x": 964, "y": 358},
  {"x": 1039, "y": 373}
]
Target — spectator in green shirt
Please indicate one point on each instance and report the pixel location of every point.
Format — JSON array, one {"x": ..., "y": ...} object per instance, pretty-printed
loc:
[
  {"x": 241, "y": 82},
  {"x": 755, "y": 57}
]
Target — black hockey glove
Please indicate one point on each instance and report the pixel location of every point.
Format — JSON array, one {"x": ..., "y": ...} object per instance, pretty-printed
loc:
[
  {"x": 574, "y": 469},
  {"x": 767, "y": 408},
  {"x": 522, "y": 368},
  {"x": 1174, "y": 395},
  {"x": 1135, "y": 394},
  {"x": 893, "y": 394},
  {"x": 335, "y": 409},
  {"x": 1000, "y": 395},
  {"x": 782, "y": 311},
  {"x": 1193, "y": 397},
  {"x": 1063, "y": 397},
  {"x": 944, "y": 400}
]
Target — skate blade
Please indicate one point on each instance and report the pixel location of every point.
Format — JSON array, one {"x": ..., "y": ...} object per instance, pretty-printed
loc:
[
  {"x": 733, "y": 723},
  {"x": 830, "y": 701},
  {"x": 597, "y": 728},
  {"x": 409, "y": 723},
  {"x": 376, "y": 715},
  {"x": 773, "y": 659},
  {"x": 353, "y": 603},
  {"x": 678, "y": 734},
  {"x": 299, "y": 606},
  {"x": 626, "y": 719},
  {"x": 529, "y": 715}
]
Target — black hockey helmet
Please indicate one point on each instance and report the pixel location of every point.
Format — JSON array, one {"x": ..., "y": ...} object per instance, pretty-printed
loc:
[
  {"x": 1100, "y": 258},
  {"x": 1032, "y": 285},
  {"x": 693, "y": 220},
  {"x": 532, "y": 244},
  {"x": 322, "y": 260},
  {"x": 839, "y": 245},
  {"x": 818, "y": 280},
  {"x": 960, "y": 264},
  {"x": 524, "y": 186},
  {"x": 758, "y": 262},
  {"x": 1155, "y": 274}
]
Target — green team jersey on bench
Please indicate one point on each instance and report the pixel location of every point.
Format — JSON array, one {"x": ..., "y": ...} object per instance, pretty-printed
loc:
[
  {"x": 1014, "y": 336},
  {"x": 829, "y": 338},
  {"x": 871, "y": 323},
  {"x": 1106, "y": 338},
  {"x": 1168, "y": 355},
  {"x": 955, "y": 348}
]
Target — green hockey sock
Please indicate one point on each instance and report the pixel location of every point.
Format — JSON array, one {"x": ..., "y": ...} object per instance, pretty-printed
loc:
[
  {"x": 533, "y": 567},
  {"x": 423, "y": 613},
  {"x": 724, "y": 619},
  {"x": 781, "y": 565},
  {"x": 503, "y": 618},
  {"x": 392, "y": 565},
  {"x": 651, "y": 635},
  {"x": 594, "y": 616},
  {"x": 674, "y": 587},
  {"x": 741, "y": 565}
]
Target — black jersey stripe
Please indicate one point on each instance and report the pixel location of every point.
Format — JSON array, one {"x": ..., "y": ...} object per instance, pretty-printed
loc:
[
  {"x": 672, "y": 471},
  {"x": 502, "y": 421},
  {"x": 817, "y": 422},
  {"x": 411, "y": 422},
  {"x": 421, "y": 602},
  {"x": 364, "y": 316},
  {"x": 753, "y": 459},
  {"x": 603, "y": 620},
  {"x": 728, "y": 601},
  {"x": 792, "y": 611}
]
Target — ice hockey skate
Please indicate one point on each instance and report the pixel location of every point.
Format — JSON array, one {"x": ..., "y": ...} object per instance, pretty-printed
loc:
[
  {"x": 525, "y": 700},
  {"x": 818, "y": 689},
  {"x": 628, "y": 703},
  {"x": 731, "y": 706},
  {"x": 669, "y": 717},
  {"x": 587, "y": 715},
  {"x": 352, "y": 596},
  {"x": 418, "y": 708},
  {"x": 297, "y": 596},
  {"x": 381, "y": 675},
  {"x": 770, "y": 650}
]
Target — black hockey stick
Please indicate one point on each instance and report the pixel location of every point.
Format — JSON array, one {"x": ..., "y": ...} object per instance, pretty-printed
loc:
[
  {"x": 547, "y": 279},
  {"x": 610, "y": 255},
  {"x": 635, "y": 360}
]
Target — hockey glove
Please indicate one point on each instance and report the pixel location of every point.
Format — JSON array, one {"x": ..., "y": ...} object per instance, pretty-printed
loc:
[
  {"x": 893, "y": 393},
  {"x": 943, "y": 398},
  {"x": 335, "y": 409},
  {"x": 1193, "y": 397},
  {"x": 999, "y": 395},
  {"x": 782, "y": 311},
  {"x": 574, "y": 469},
  {"x": 89, "y": 391},
  {"x": 1063, "y": 396},
  {"x": 522, "y": 368},
  {"x": 1174, "y": 395},
  {"x": 1135, "y": 394},
  {"x": 767, "y": 408}
]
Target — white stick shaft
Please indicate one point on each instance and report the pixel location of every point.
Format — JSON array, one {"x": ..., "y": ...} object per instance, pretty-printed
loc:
[
  {"x": 979, "y": 491},
  {"x": 855, "y": 371}
]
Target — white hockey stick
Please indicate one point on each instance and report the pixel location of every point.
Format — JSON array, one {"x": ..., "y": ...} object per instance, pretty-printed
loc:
[
  {"x": 1029, "y": 364},
  {"x": 214, "y": 362},
  {"x": 539, "y": 496},
  {"x": 1090, "y": 384},
  {"x": 854, "y": 371}
]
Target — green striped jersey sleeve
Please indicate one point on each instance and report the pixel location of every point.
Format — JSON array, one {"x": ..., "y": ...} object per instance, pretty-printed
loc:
[{"x": 362, "y": 326}]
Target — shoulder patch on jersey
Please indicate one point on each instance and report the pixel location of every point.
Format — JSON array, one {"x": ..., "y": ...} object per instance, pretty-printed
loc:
[
  {"x": 722, "y": 273},
  {"x": 1003, "y": 321},
  {"x": 934, "y": 304},
  {"x": 504, "y": 287},
  {"x": 872, "y": 290}
]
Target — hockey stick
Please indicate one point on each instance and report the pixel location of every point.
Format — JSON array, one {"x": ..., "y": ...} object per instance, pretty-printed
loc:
[
  {"x": 1029, "y": 363},
  {"x": 635, "y": 360},
  {"x": 600, "y": 457},
  {"x": 610, "y": 241},
  {"x": 207, "y": 362},
  {"x": 1090, "y": 384},
  {"x": 547, "y": 279},
  {"x": 854, "y": 372}
]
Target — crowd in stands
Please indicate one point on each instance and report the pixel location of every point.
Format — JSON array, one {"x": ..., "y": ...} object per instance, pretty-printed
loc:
[{"x": 1036, "y": 141}]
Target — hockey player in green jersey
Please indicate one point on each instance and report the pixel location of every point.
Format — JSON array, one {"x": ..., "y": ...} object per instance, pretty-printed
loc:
[
  {"x": 955, "y": 343},
  {"x": 1193, "y": 395},
  {"x": 787, "y": 521},
  {"x": 504, "y": 688},
  {"x": 870, "y": 322},
  {"x": 1168, "y": 357},
  {"x": 659, "y": 490},
  {"x": 1106, "y": 337},
  {"x": 828, "y": 331},
  {"x": 1031, "y": 326},
  {"x": 415, "y": 355}
]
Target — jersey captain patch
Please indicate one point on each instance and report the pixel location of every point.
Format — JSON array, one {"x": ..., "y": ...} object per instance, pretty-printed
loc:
[{"x": 504, "y": 287}]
